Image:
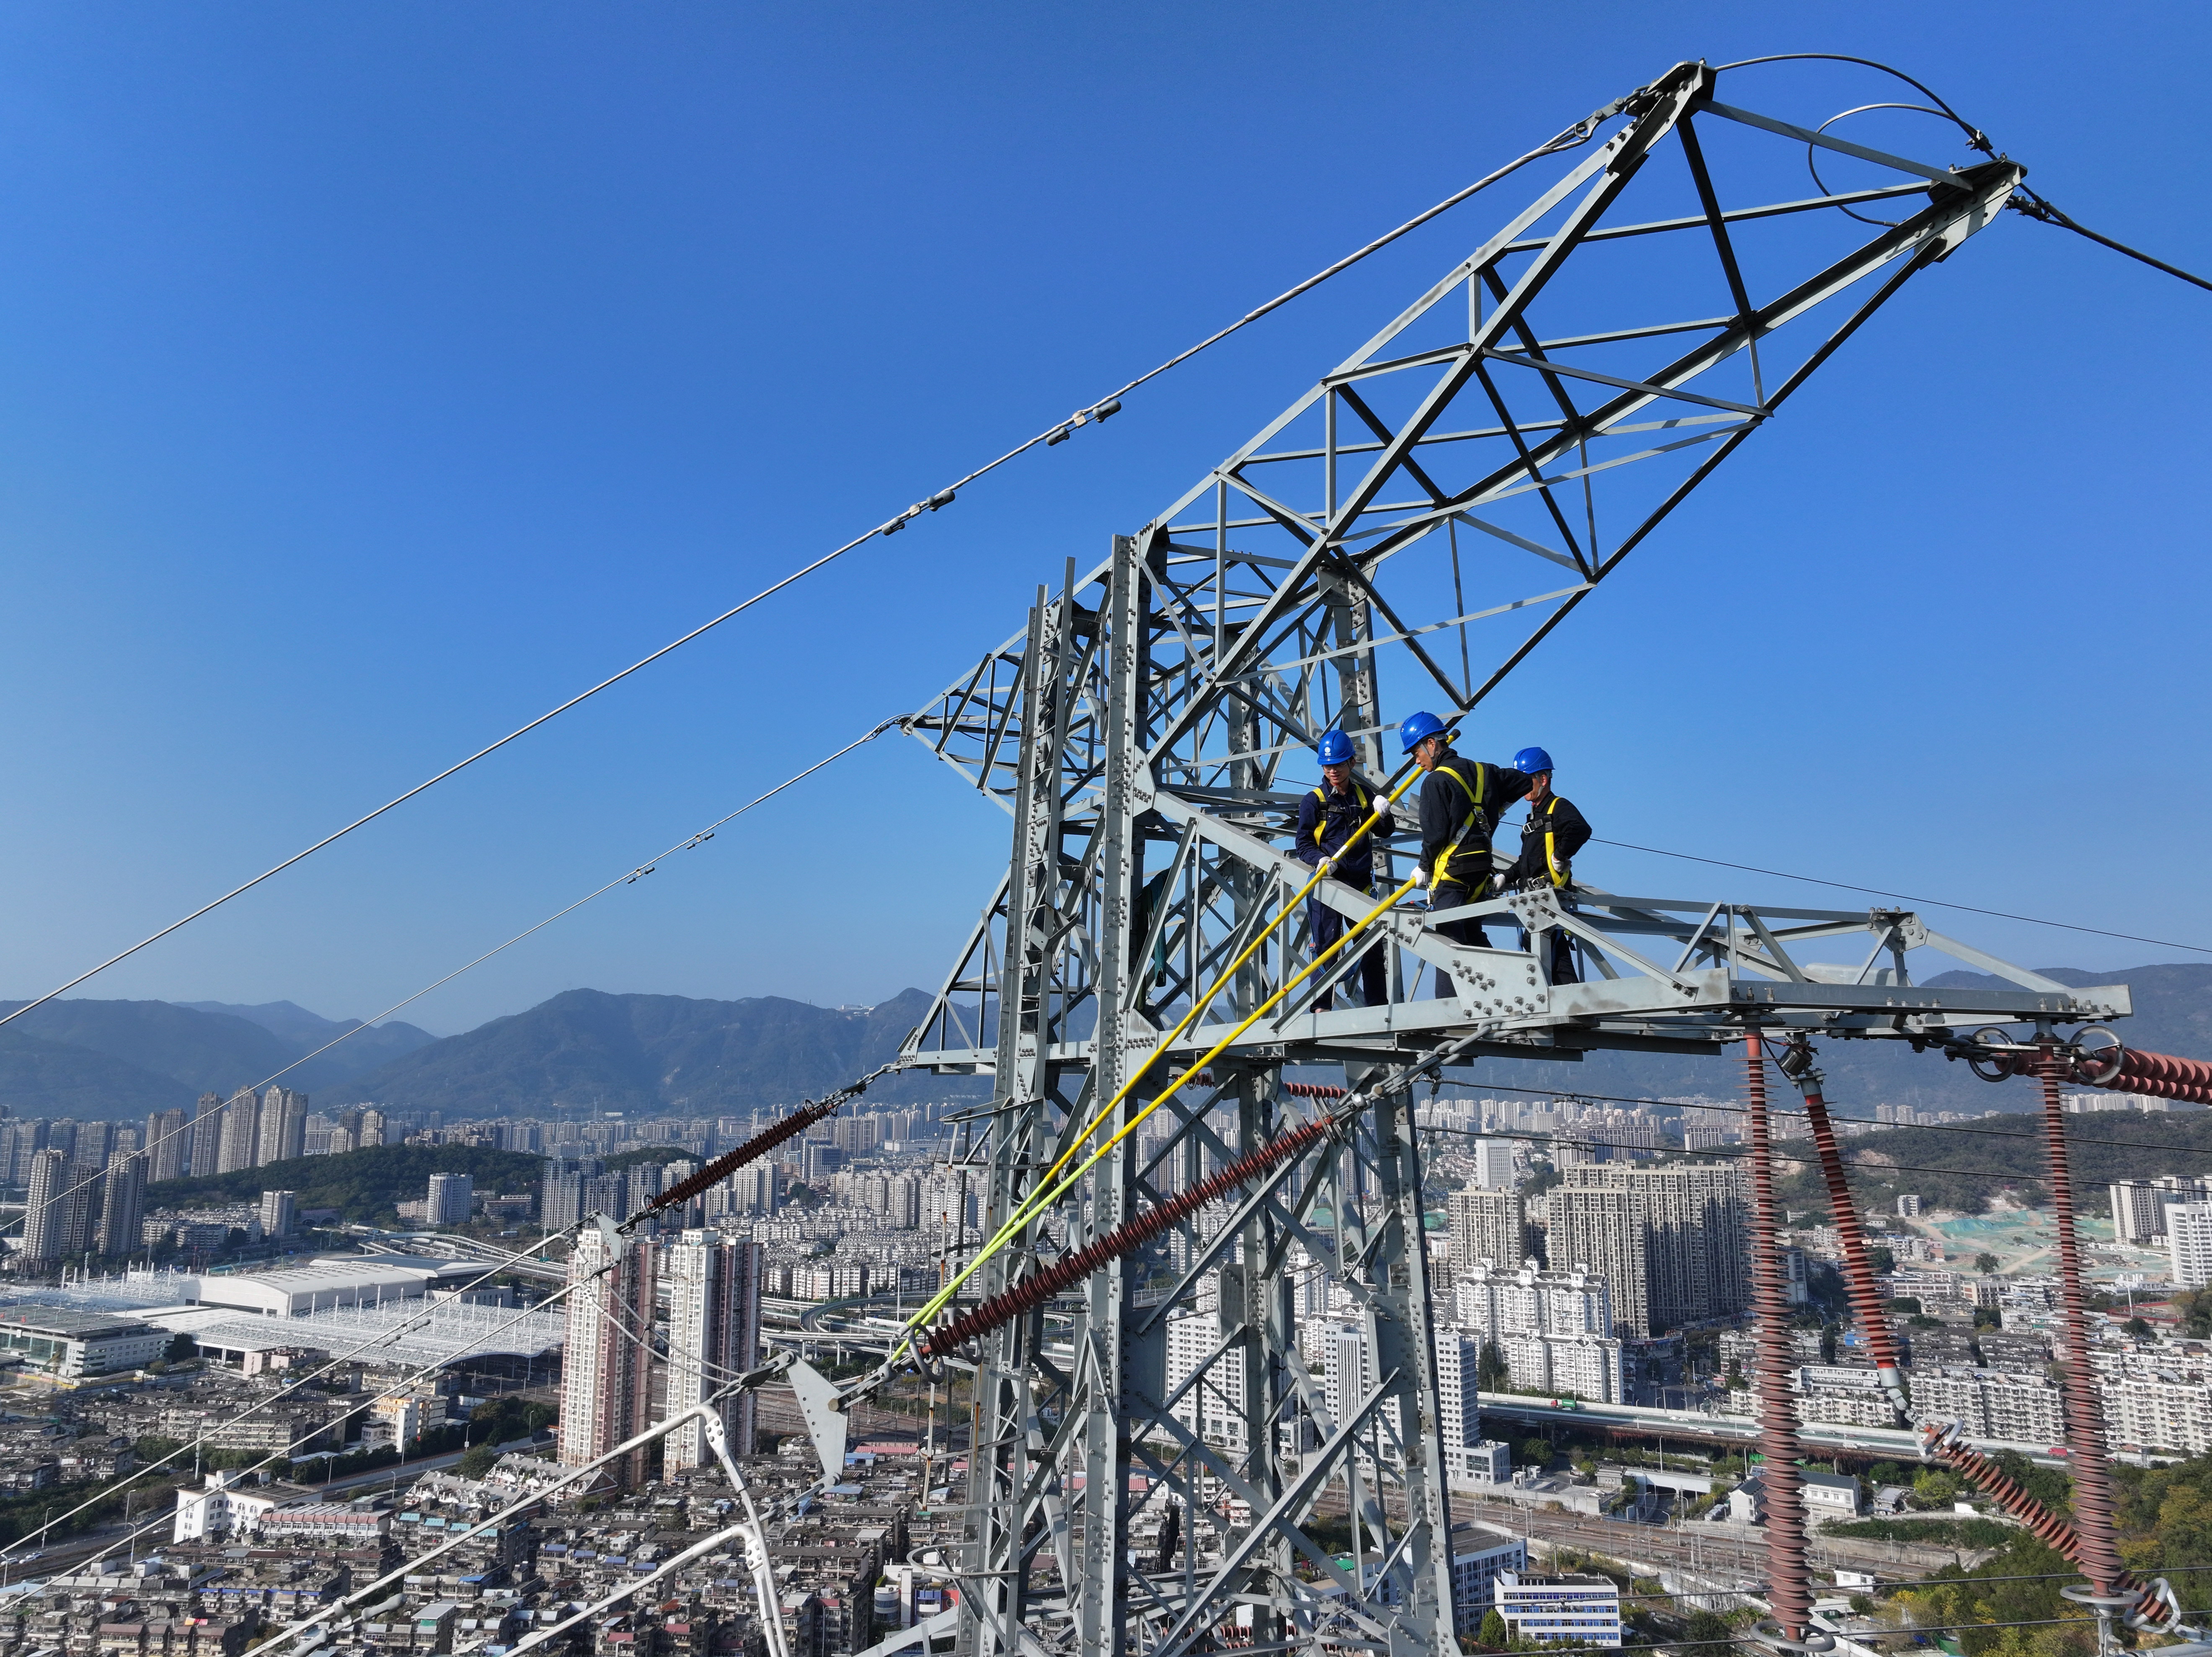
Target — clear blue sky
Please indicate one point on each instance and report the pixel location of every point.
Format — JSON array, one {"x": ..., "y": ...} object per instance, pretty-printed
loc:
[{"x": 372, "y": 377}]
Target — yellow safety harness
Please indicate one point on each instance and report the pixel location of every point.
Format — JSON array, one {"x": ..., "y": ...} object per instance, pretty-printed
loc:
[
  {"x": 1360, "y": 797},
  {"x": 1442, "y": 873},
  {"x": 1551, "y": 847}
]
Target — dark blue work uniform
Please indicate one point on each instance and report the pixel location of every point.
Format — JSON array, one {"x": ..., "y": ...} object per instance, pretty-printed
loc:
[
  {"x": 1326, "y": 820},
  {"x": 1554, "y": 833},
  {"x": 1461, "y": 801}
]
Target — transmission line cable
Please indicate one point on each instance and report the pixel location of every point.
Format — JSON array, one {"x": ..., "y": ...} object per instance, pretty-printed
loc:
[
  {"x": 2034, "y": 207},
  {"x": 1881, "y": 891},
  {"x": 1728, "y": 1152},
  {"x": 1058, "y": 432},
  {"x": 631, "y": 877},
  {"x": 1565, "y": 1096}
]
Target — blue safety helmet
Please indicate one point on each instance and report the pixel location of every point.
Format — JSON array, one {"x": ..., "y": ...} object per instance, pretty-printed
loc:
[
  {"x": 1529, "y": 761},
  {"x": 1416, "y": 729},
  {"x": 1335, "y": 748}
]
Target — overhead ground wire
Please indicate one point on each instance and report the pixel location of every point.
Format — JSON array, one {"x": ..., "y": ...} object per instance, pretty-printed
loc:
[{"x": 1059, "y": 431}]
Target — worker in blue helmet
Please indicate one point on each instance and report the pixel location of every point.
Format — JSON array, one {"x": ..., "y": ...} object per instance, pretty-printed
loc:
[
  {"x": 1461, "y": 801},
  {"x": 1328, "y": 816},
  {"x": 1551, "y": 834}
]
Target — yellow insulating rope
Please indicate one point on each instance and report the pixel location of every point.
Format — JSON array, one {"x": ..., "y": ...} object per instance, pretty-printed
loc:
[
  {"x": 1047, "y": 1196},
  {"x": 1027, "y": 1210}
]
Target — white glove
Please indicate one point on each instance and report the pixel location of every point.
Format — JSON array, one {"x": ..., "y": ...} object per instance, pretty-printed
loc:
[
  {"x": 1421, "y": 878},
  {"x": 1326, "y": 867}
]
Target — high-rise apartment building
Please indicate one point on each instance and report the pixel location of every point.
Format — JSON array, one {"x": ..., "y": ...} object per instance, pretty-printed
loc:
[
  {"x": 452, "y": 1199},
  {"x": 606, "y": 1362},
  {"x": 1595, "y": 1232},
  {"x": 206, "y": 1156},
  {"x": 903, "y": 1205},
  {"x": 21, "y": 1141},
  {"x": 1458, "y": 1368},
  {"x": 1493, "y": 1303},
  {"x": 95, "y": 1141},
  {"x": 168, "y": 1144},
  {"x": 754, "y": 1189},
  {"x": 557, "y": 1194},
  {"x": 371, "y": 1129},
  {"x": 2138, "y": 1211},
  {"x": 122, "y": 1205},
  {"x": 713, "y": 1334},
  {"x": 1687, "y": 1240},
  {"x": 241, "y": 1144},
  {"x": 2188, "y": 1241},
  {"x": 58, "y": 1220},
  {"x": 282, "y": 1133},
  {"x": 280, "y": 1213},
  {"x": 1493, "y": 1163},
  {"x": 1487, "y": 1225},
  {"x": 2140, "y": 1206},
  {"x": 1555, "y": 1329}
]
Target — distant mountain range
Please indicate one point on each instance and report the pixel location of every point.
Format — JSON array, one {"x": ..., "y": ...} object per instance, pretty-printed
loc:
[
  {"x": 586, "y": 1049},
  {"x": 583, "y": 1049},
  {"x": 91, "y": 1059},
  {"x": 650, "y": 1053}
]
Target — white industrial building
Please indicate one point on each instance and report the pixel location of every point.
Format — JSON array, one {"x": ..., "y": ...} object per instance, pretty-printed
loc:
[
  {"x": 76, "y": 1345},
  {"x": 1583, "y": 1610},
  {"x": 326, "y": 1285}
]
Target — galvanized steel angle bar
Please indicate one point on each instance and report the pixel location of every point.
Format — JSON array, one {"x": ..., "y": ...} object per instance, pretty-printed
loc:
[
  {"x": 1779, "y": 956},
  {"x": 943, "y": 1006},
  {"x": 1829, "y": 141},
  {"x": 1228, "y": 1234},
  {"x": 1548, "y": 368},
  {"x": 1195, "y": 1449},
  {"x": 1740, "y": 215},
  {"x": 1287, "y": 1511}
]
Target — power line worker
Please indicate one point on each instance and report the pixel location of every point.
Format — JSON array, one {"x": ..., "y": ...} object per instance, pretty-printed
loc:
[
  {"x": 1551, "y": 834},
  {"x": 1328, "y": 816},
  {"x": 1461, "y": 801}
]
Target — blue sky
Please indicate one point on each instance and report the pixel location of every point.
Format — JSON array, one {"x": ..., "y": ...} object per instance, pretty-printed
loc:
[{"x": 373, "y": 378}]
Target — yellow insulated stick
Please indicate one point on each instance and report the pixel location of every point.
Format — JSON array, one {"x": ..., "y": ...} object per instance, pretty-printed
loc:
[
  {"x": 1046, "y": 1197},
  {"x": 1027, "y": 1210}
]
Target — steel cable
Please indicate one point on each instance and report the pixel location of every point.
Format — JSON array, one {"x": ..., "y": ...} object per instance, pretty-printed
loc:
[
  {"x": 1878, "y": 891},
  {"x": 631, "y": 877}
]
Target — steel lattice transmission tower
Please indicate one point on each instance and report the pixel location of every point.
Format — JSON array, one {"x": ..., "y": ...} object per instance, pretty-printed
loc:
[{"x": 1428, "y": 511}]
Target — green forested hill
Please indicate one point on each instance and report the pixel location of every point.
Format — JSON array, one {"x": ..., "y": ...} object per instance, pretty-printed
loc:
[{"x": 363, "y": 1185}]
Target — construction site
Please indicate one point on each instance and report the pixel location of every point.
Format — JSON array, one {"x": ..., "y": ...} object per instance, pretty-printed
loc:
[{"x": 1204, "y": 1018}]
